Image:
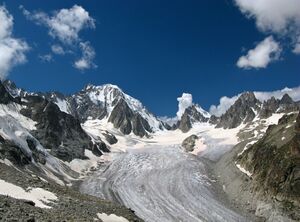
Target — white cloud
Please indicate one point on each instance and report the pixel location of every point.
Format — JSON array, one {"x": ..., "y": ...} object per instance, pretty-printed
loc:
[
  {"x": 57, "y": 49},
  {"x": 281, "y": 17},
  {"x": 185, "y": 101},
  {"x": 296, "y": 49},
  {"x": 226, "y": 102},
  {"x": 64, "y": 24},
  {"x": 294, "y": 93},
  {"x": 265, "y": 52},
  {"x": 12, "y": 50},
  {"x": 88, "y": 55},
  {"x": 46, "y": 58}
]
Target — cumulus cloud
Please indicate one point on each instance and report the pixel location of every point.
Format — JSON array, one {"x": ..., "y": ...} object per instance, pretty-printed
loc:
[
  {"x": 88, "y": 55},
  {"x": 265, "y": 52},
  {"x": 226, "y": 102},
  {"x": 57, "y": 49},
  {"x": 185, "y": 101},
  {"x": 12, "y": 50},
  {"x": 281, "y": 17},
  {"x": 64, "y": 24},
  {"x": 294, "y": 93}
]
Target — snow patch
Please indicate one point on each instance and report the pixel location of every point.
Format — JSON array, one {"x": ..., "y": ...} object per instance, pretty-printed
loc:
[
  {"x": 39, "y": 196},
  {"x": 84, "y": 166},
  {"x": 243, "y": 170},
  {"x": 62, "y": 104},
  {"x": 111, "y": 218}
]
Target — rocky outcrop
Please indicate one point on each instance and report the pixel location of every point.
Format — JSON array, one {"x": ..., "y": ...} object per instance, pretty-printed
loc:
[
  {"x": 269, "y": 107},
  {"x": 185, "y": 123},
  {"x": 247, "y": 107},
  {"x": 190, "y": 116},
  {"x": 107, "y": 102},
  {"x": 243, "y": 110},
  {"x": 13, "y": 153},
  {"x": 5, "y": 96},
  {"x": 274, "y": 162},
  {"x": 13, "y": 90},
  {"x": 110, "y": 138},
  {"x": 189, "y": 143},
  {"x": 58, "y": 131},
  {"x": 127, "y": 121},
  {"x": 285, "y": 104}
]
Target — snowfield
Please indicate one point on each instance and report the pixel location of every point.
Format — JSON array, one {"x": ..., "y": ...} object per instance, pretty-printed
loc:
[{"x": 159, "y": 181}]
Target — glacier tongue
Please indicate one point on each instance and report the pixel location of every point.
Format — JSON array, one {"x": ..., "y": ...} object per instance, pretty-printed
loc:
[{"x": 161, "y": 184}]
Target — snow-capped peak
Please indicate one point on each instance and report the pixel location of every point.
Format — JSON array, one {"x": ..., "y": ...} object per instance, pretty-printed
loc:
[
  {"x": 202, "y": 111},
  {"x": 185, "y": 102},
  {"x": 108, "y": 95}
]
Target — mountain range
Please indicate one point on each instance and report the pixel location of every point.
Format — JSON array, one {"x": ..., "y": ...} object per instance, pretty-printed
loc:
[{"x": 46, "y": 132}]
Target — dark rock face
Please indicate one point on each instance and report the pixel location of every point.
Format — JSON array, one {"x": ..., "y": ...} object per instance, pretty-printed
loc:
[
  {"x": 275, "y": 162},
  {"x": 247, "y": 106},
  {"x": 121, "y": 116},
  {"x": 10, "y": 151},
  {"x": 56, "y": 130},
  {"x": 13, "y": 90},
  {"x": 286, "y": 104},
  {"x": 191, "y": 115},
  {"x": 110, "y": 138},
  {"x": 185, "y": 123},
  {"x": 241, "y": 111},
  {"x": 84, "y": 105},
  {"x": 269, "y": 107},
  {"x": 127, "y": 121},
  {"x": 5, "y": 96},
  {"x": 214, "y": 119},
  {"x": 189, "y": 143}
]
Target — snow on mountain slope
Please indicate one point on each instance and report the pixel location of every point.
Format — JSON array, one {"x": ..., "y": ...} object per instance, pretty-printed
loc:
[
  {"x": 15, "y": 127},
  {"x": 63, "y": 105},
  {"x": 202, "y": 111},
  {"x": 108, "y": 95},
  {"x": 15, "y": 132},
  {"x": 213, "y": 137}
]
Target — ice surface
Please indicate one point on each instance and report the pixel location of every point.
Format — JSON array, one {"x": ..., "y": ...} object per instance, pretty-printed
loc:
[{"x": 161, "y": 184}]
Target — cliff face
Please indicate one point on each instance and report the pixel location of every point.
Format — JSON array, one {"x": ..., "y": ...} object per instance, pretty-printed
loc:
[{"x": 274, "y": 161}]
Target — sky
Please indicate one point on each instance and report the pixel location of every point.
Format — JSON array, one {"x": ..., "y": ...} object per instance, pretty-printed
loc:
[{"x": 154, "y": 50}]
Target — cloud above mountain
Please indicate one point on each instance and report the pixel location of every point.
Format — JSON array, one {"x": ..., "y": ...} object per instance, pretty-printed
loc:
[
  {"x": 265, "y": 52},
  {"x": 226, "y": 102},
  {"x": 65, "y": 25},
  {"x": 12, "y": 50},
  {"x": 277, "y": 17},
  {"x": 185, "y": 101}
]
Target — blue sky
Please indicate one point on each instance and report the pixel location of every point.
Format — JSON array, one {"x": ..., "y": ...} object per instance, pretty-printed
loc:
[{"x": 156, "y": 50}]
